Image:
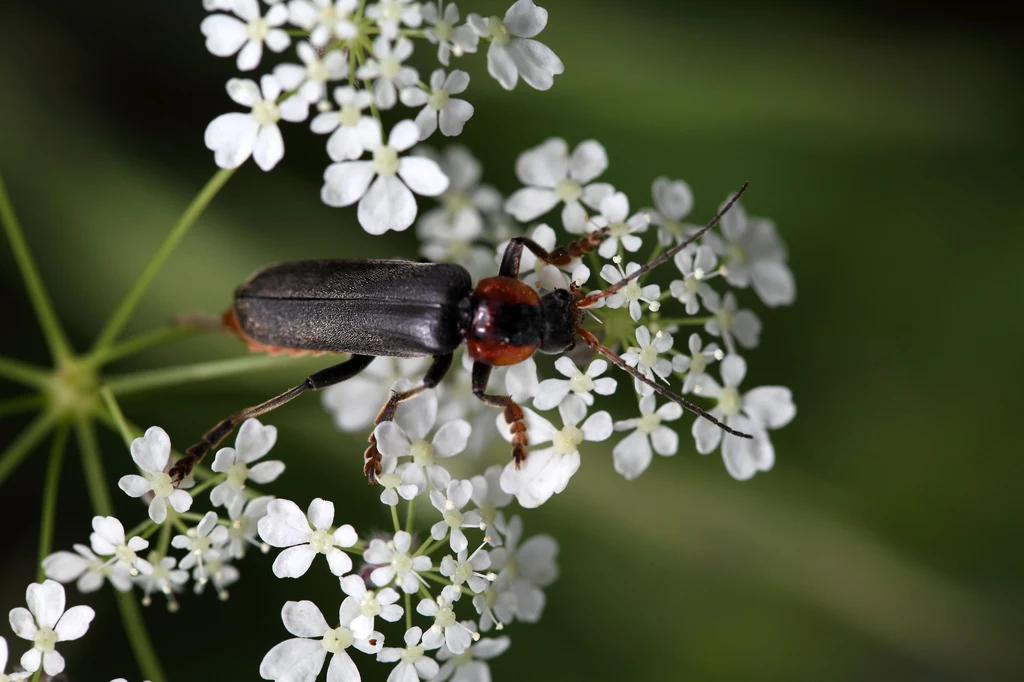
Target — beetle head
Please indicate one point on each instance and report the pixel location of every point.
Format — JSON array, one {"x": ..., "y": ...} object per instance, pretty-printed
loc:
[{"x": 559, "y": 319}]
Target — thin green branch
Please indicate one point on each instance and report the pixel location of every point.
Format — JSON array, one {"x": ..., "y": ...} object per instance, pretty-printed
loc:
[
  {"x": 188, "y": 218},
  {"x": 60, "y": 441},
  {"x": 410, "y": 515},
  {"x": 117, "y": 416},
  {"x": 394, "y": 518},
  {"x": 54, "y": 334},
  {"x": 92, "y": 464},
  {"x": 30, "y": 402},
  {"x": 139, "y": 343},
  {"x": 127, "y": 604},
  {"x": 186, "y": 374},
  {"x": 138, "y": 637},
  {"x": 23, "y": 373},
  {"x": 22, "y": 446}
]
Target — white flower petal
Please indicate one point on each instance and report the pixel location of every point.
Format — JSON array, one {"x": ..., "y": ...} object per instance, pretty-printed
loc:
[
  {"x": 74, "y": 623},
  {"x": 530, "y": 202},
  {"x": 525, "y": 19},
  {"x": 231, "y": 138},
  {"x": 134, "y": 485},
  {"x": 294, "y": 660},
  {"x": 423, "y": 176},
  {"x": 536, "y": 63},
  {"x": 284, "y": 525},
  {"x": 388, "y": 205},
  {"x": 346, "y": 183},
  {"x": 46, "y": 602},
  {"x": 294, "y": 561},
  {"x": 151, "y": 452},
  {"x": 501, "y": 66}
]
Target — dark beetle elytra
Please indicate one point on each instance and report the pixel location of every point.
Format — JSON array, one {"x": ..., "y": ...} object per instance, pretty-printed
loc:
[{"x": 394, "y": 308}]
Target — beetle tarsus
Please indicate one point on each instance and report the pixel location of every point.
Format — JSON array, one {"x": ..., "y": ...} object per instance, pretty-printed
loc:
[{"x": 513, "y": 413}]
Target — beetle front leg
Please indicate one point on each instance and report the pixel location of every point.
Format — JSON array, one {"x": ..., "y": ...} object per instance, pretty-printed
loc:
[
  {"x": 512, "y": 411},
  {"x": 435, "y": 373},
  {"x": 562, "y": 255},
  {"x": 314, "y": 382}
]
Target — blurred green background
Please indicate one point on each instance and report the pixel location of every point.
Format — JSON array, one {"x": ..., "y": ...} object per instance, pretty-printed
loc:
[{"x": 884, "y": 139}]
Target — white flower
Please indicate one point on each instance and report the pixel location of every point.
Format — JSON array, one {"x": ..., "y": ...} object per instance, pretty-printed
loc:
[
  {"x": 530, "y": 567},
  {"x": 371, "y": 604},
  {"x": 396, "y": 563},
  {"x": 301, "y": 659},
  {"x": 203, "y": 543},
  {"x": 412, "y": 662},
  {"x": 547, "y": 471},
  {"x": 390, "y": 14},
  {"x": 754, "y": 255},
  {"x": 406, "y": 436},
  {"x": 310, "y": 78},
  {"x": 465, "y": 569},
  {"x": 490, "y": 499},
  {"x": 45, "y": 622},
  {"x": 150, "y": 454},
  {"x": 108, "y": 540},
  {"x": 4, "y": 677},
  {"x": 452, "y": 111},
  {"x": 217, "y": 571},
  {"x": 165, "y": 578},
  {"x": 447, "y": 232},
  {"x": 552, "y": 176},
  {"x": 673, "y": 201},
  {"x": 244, "y": 521},
  {"x": 324, "y": 19},
  {"x": 695, "y": 263},
  {"x": 286, "y": 526},
  {"x": 632, "y": 293},
  {"x": 632, "y": 454},
  {"x": 695, "y": 365},
  {"x": 87, "y": 569},
  {"x": 646, "y": 357},
  {"x": 352, "y": 133},
  {"x": 387, "y": 204},
  {"x": 450, "y": 39},
  {"x": 226, "y": 35},
  {"x": 512, "y": 52},
  {"x": 729, "y": 323},
  {"x": 766, "y": 407},
  {"x": 622, "y": 227},
  {"x": 472, "y": 668},
  {"x": 399, "y": 482},
  {"x": 497, "y": 605},
  {"x": 234, "y": 137},
  {"x": 386, "y": 70},
  {"x": 446, "y": 629},
  {"x": 450, "y": 504},
  {"x": 254, "y": 440},
  {"x": 551, "y": 392},
  {"x": 355, "y": 403}
]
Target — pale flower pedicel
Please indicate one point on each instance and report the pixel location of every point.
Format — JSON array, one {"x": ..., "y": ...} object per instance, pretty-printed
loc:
[{"x": 453, "y": 561}]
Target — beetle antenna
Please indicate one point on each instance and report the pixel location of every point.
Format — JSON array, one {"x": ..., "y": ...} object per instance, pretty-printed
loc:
[
  {"x": 593, "y": 298},
  {"x": 592, "y": 341}
]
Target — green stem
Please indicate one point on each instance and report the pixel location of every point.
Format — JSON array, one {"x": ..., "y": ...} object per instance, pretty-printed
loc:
[
  {"x": 394, "y": 518},
  {"x": 164, "y": 541},
  {"x": 138, "y": 637},
  {"x": 60, "y": 441},
  {"x": 683, "y": 321},
  {"x": 23, "y": 373},
  {"x": 92, "y": 465},
  {"x": 54, "y": 334},
  {"x": 127, "y": 604},
  {"x": 115, "y": 413},
  {"x": 408, "y": 611},
  {"x": 188, "y": 218},
  {"x": 140, "y": 528},
  {"x": 186, "y": 374},
  {"x": 38, "y": 674},
  {"x": 410, "y": 510},
  {"x": 30, "y": 402},
  {"x": 137, "y": 344},
  {"x": 23, "y": 445}
]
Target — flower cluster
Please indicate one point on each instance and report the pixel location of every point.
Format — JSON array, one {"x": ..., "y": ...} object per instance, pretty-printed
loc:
[
  {"x": 428, "y": 597},
  {"x": 355, "y": 62}
]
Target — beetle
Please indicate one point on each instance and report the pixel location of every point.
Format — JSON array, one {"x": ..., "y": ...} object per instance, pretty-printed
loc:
[{"x": 396, "y": 308}]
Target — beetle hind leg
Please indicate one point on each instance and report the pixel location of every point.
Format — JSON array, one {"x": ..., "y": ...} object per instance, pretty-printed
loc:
[
  {"x": 435, "y": 373},
  {"x": 513, "y": 412}
]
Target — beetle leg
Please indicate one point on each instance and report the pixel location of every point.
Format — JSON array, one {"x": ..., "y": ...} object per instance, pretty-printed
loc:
[
  {"x": 326, "y": 377},
  {"x": 559, "y": 256},
  {"x": 513, "y": 412},
  {"x": 435, "y": 373}
]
